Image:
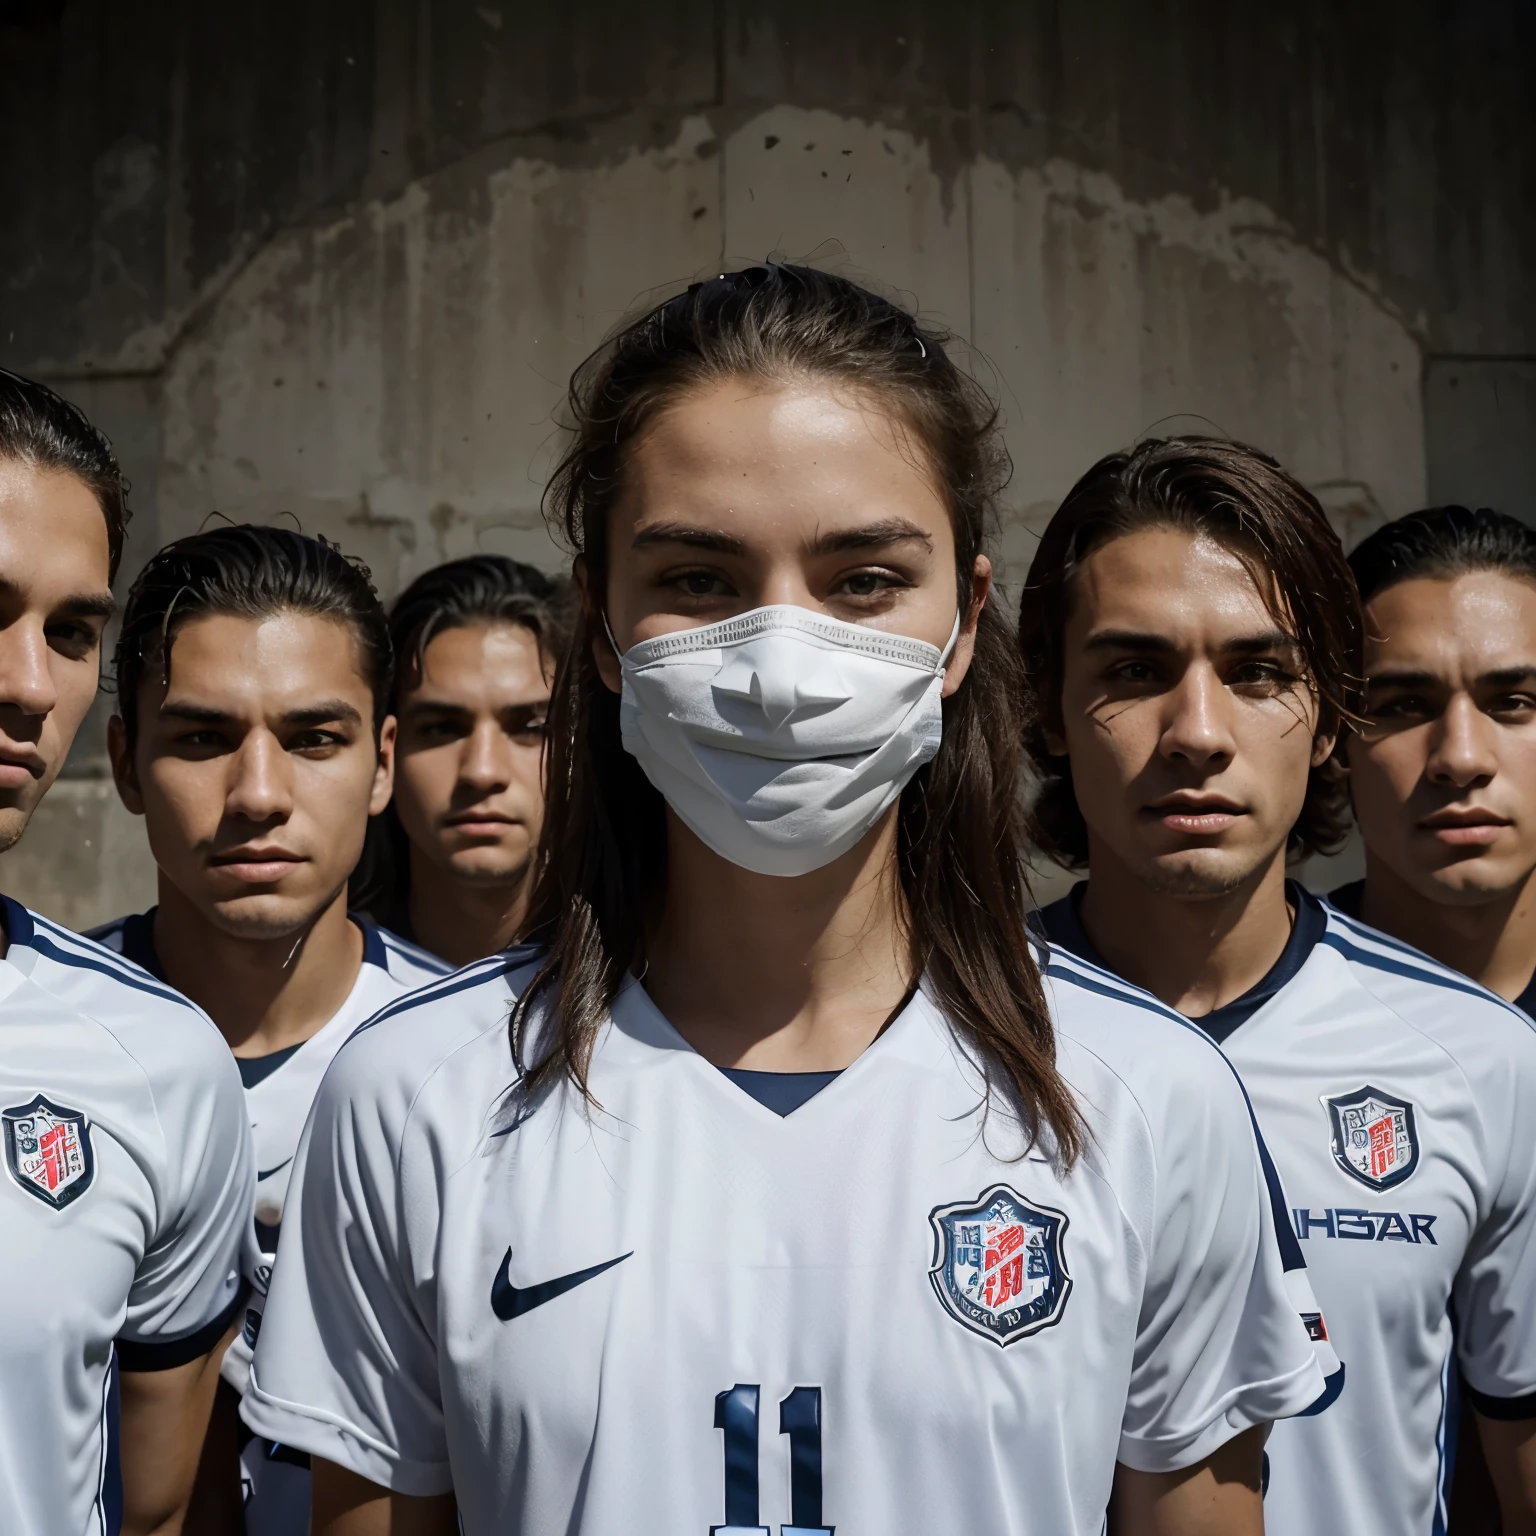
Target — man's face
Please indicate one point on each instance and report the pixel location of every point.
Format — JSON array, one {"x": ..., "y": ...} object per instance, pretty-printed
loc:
[
  {"x": 469, "y": 782},
  {"x": 1443, "y": 774},
  {"x": 55, "y": 598},
  {"x": 1185, "y": 713},
  {"x": 255, "y": 768}
]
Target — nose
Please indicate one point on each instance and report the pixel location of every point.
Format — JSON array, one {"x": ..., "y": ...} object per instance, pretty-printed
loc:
[
  {"x": 26, "y": 680},
  {"x": 262, "y": 787},
  {"x": 1463, "y": 750},
  {"x": 1198, "y": 729},
  {"x": 484, "y": 764}
]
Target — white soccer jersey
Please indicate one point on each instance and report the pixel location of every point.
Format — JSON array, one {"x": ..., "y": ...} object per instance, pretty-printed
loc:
[
  {"x": 125, "y": 1199},
  {"x": 683, "y": 1312},
  {"x": 279, "y": 1090},
  {"x": 1399, "y": 1101}
]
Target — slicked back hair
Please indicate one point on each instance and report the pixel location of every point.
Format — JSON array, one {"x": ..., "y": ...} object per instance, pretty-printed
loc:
[
  {"x": 252, "y": 572},
  {"x": 479, "y": 589},
  {"x": 43, "y": 430},
  {"x": 959, "y": 822},
  {"x": 1243, "y": 500},
  {"x": 1443, "y": 542}
]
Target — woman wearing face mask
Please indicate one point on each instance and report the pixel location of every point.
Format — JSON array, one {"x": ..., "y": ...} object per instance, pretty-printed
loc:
[{"x": 771, "y": 1185}]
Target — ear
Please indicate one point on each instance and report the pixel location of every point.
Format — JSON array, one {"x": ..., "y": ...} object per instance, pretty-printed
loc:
[
  {"x": 1322, "y": 747},
  {"x": 965, "y": 642},
  {"x": 1055, "y": 742},
  {"x": 124, "y": 774},
  {"x": 603, "y": 653},
  {"x": 384, "y": 768}
]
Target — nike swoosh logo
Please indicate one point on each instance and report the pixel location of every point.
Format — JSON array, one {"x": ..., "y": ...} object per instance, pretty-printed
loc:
[
  {"x": 509, "y": 1301},
  {"x": 268, "y": 1172}
]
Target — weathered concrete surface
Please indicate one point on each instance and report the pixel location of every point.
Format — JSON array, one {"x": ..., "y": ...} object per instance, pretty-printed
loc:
[{"x": 336, "y": 260}]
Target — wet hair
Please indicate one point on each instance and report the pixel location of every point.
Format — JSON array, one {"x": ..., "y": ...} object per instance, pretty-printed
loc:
[
  {"x": 43, "y": 430},
  {"x": 248, "y": 572},
  {"x": 960, "y": 846},
  {"x": 1443, "y": 542},
  {"x": 1243, "y": 500},
  {"x": 479, "y": 589}
]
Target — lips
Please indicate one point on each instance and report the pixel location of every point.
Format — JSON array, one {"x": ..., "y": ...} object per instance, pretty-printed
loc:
[
  {"x": 479, "y": 823},
  {"x": 257, "y": 866},
  {"x": 1464, "y": 826},
  {"x": 19, "y": 767},
  {"x": 1195, "y": 815}
]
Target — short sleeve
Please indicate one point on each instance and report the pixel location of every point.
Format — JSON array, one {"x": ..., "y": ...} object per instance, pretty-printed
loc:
[
  {"x": 188, "y": 1287},
  {"x": 346, "y": 1359},
  {"x": 1495, "y": 1290},
  {"x": 1220, "y": 1345}
]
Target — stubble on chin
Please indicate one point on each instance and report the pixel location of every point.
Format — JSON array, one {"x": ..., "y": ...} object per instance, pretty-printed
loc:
[
  {"x": 13, "y": 822},
  {"x": 1198, "y": 876}
]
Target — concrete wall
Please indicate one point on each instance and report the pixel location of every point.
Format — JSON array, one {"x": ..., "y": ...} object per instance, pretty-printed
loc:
[{"x": 336, "y": 260}]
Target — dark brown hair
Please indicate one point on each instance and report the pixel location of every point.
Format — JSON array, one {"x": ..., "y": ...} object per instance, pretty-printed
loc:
[
  {"x": 1245, "y": 501},
  {"x": 960, "y": 826},
  {"x": 1443, "y": 542},
  {"x": 478, "y": 589},
  {"x": 251, "y": 571},
  {"x": 42, "y": 429}
]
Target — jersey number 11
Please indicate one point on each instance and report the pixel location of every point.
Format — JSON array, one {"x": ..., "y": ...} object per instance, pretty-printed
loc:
[{"x": 799, "y": 1418}]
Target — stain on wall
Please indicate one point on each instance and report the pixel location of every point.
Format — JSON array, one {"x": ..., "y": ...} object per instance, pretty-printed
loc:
[{"x": 336, "y": 260}]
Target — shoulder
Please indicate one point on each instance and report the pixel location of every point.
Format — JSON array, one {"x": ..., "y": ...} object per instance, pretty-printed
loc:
[
  {"x": 456, "y": 1022},
  {"x": 1155, "y": 1051},
  {"x": 173, "y": 1042},
  {"x": 1467, "y": 1021},
  {"x": 408, "y": 964}
]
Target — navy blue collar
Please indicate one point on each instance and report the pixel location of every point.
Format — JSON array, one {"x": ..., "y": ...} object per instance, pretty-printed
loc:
[
  {"x": 139, "y": 942},
  {"x": 1348, "y": 899},
  {"x": 1062, "y": 924}
]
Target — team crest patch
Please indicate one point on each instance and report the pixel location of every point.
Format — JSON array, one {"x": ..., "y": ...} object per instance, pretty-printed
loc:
[
  {"x": 998, "y": 1265},
  {"x": 1375, "y": 1139},
  {"x": 48, "y": 1150}
]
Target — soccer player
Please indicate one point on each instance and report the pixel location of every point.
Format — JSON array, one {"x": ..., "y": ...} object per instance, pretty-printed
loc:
[
  {"x": 775, "y": 1187},
  {"x": 254, "y": 737},
  {"x": 1191, "y": 629},
  {"x": 1443, "y": 776},
  {"x": 477, "y": 643},
  {"x": 127, "y": 1183}
]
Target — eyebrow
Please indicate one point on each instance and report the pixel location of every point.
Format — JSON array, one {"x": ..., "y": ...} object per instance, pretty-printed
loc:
[
  {"x": 313, "y": 714},
  {"x": 80, "y": 605},
  {"x": 1241, "y": 645},
  {"x": 891, "y": 530},
  {"x": 1501, "y": 677}
]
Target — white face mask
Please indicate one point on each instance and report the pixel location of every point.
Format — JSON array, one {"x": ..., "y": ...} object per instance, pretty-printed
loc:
[{"x": 781, "y": 736}]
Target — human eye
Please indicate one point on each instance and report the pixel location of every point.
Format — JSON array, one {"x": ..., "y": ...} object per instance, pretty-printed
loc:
[
  {"x": 1262, "y": 672},
  {"x": 869, "y": 582},
  {"x": 317, "y": 742},
  {"x": 1513, "y": 708},
  {"x": 698, "y": 582},
  {"x": 1133, "y": 671},
  {"x": 1399, "y": 707},
  {"x": 74, "y": 638}
]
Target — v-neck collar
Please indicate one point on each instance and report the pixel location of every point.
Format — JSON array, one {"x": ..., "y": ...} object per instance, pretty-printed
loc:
[
  {"x": 1061, "y": 922},
  {"x": 649, "y": 1027}
]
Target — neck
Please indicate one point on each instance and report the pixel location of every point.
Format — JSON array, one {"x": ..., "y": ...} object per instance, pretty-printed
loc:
[
  {"x": 776, "y": 974},
  {"x": 1196, "y": 953},
  {"x": 265, "y": 994},
  {"x": 462, "y": 922},
  {"x": 1493, "y": 943}
]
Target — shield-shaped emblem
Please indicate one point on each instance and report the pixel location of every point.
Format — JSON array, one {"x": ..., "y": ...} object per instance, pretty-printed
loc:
[
  {"x": 1375, "y": 1139},
  {"x": 48, "y": 1150},
  {"x": 998, "y": 1264}
]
